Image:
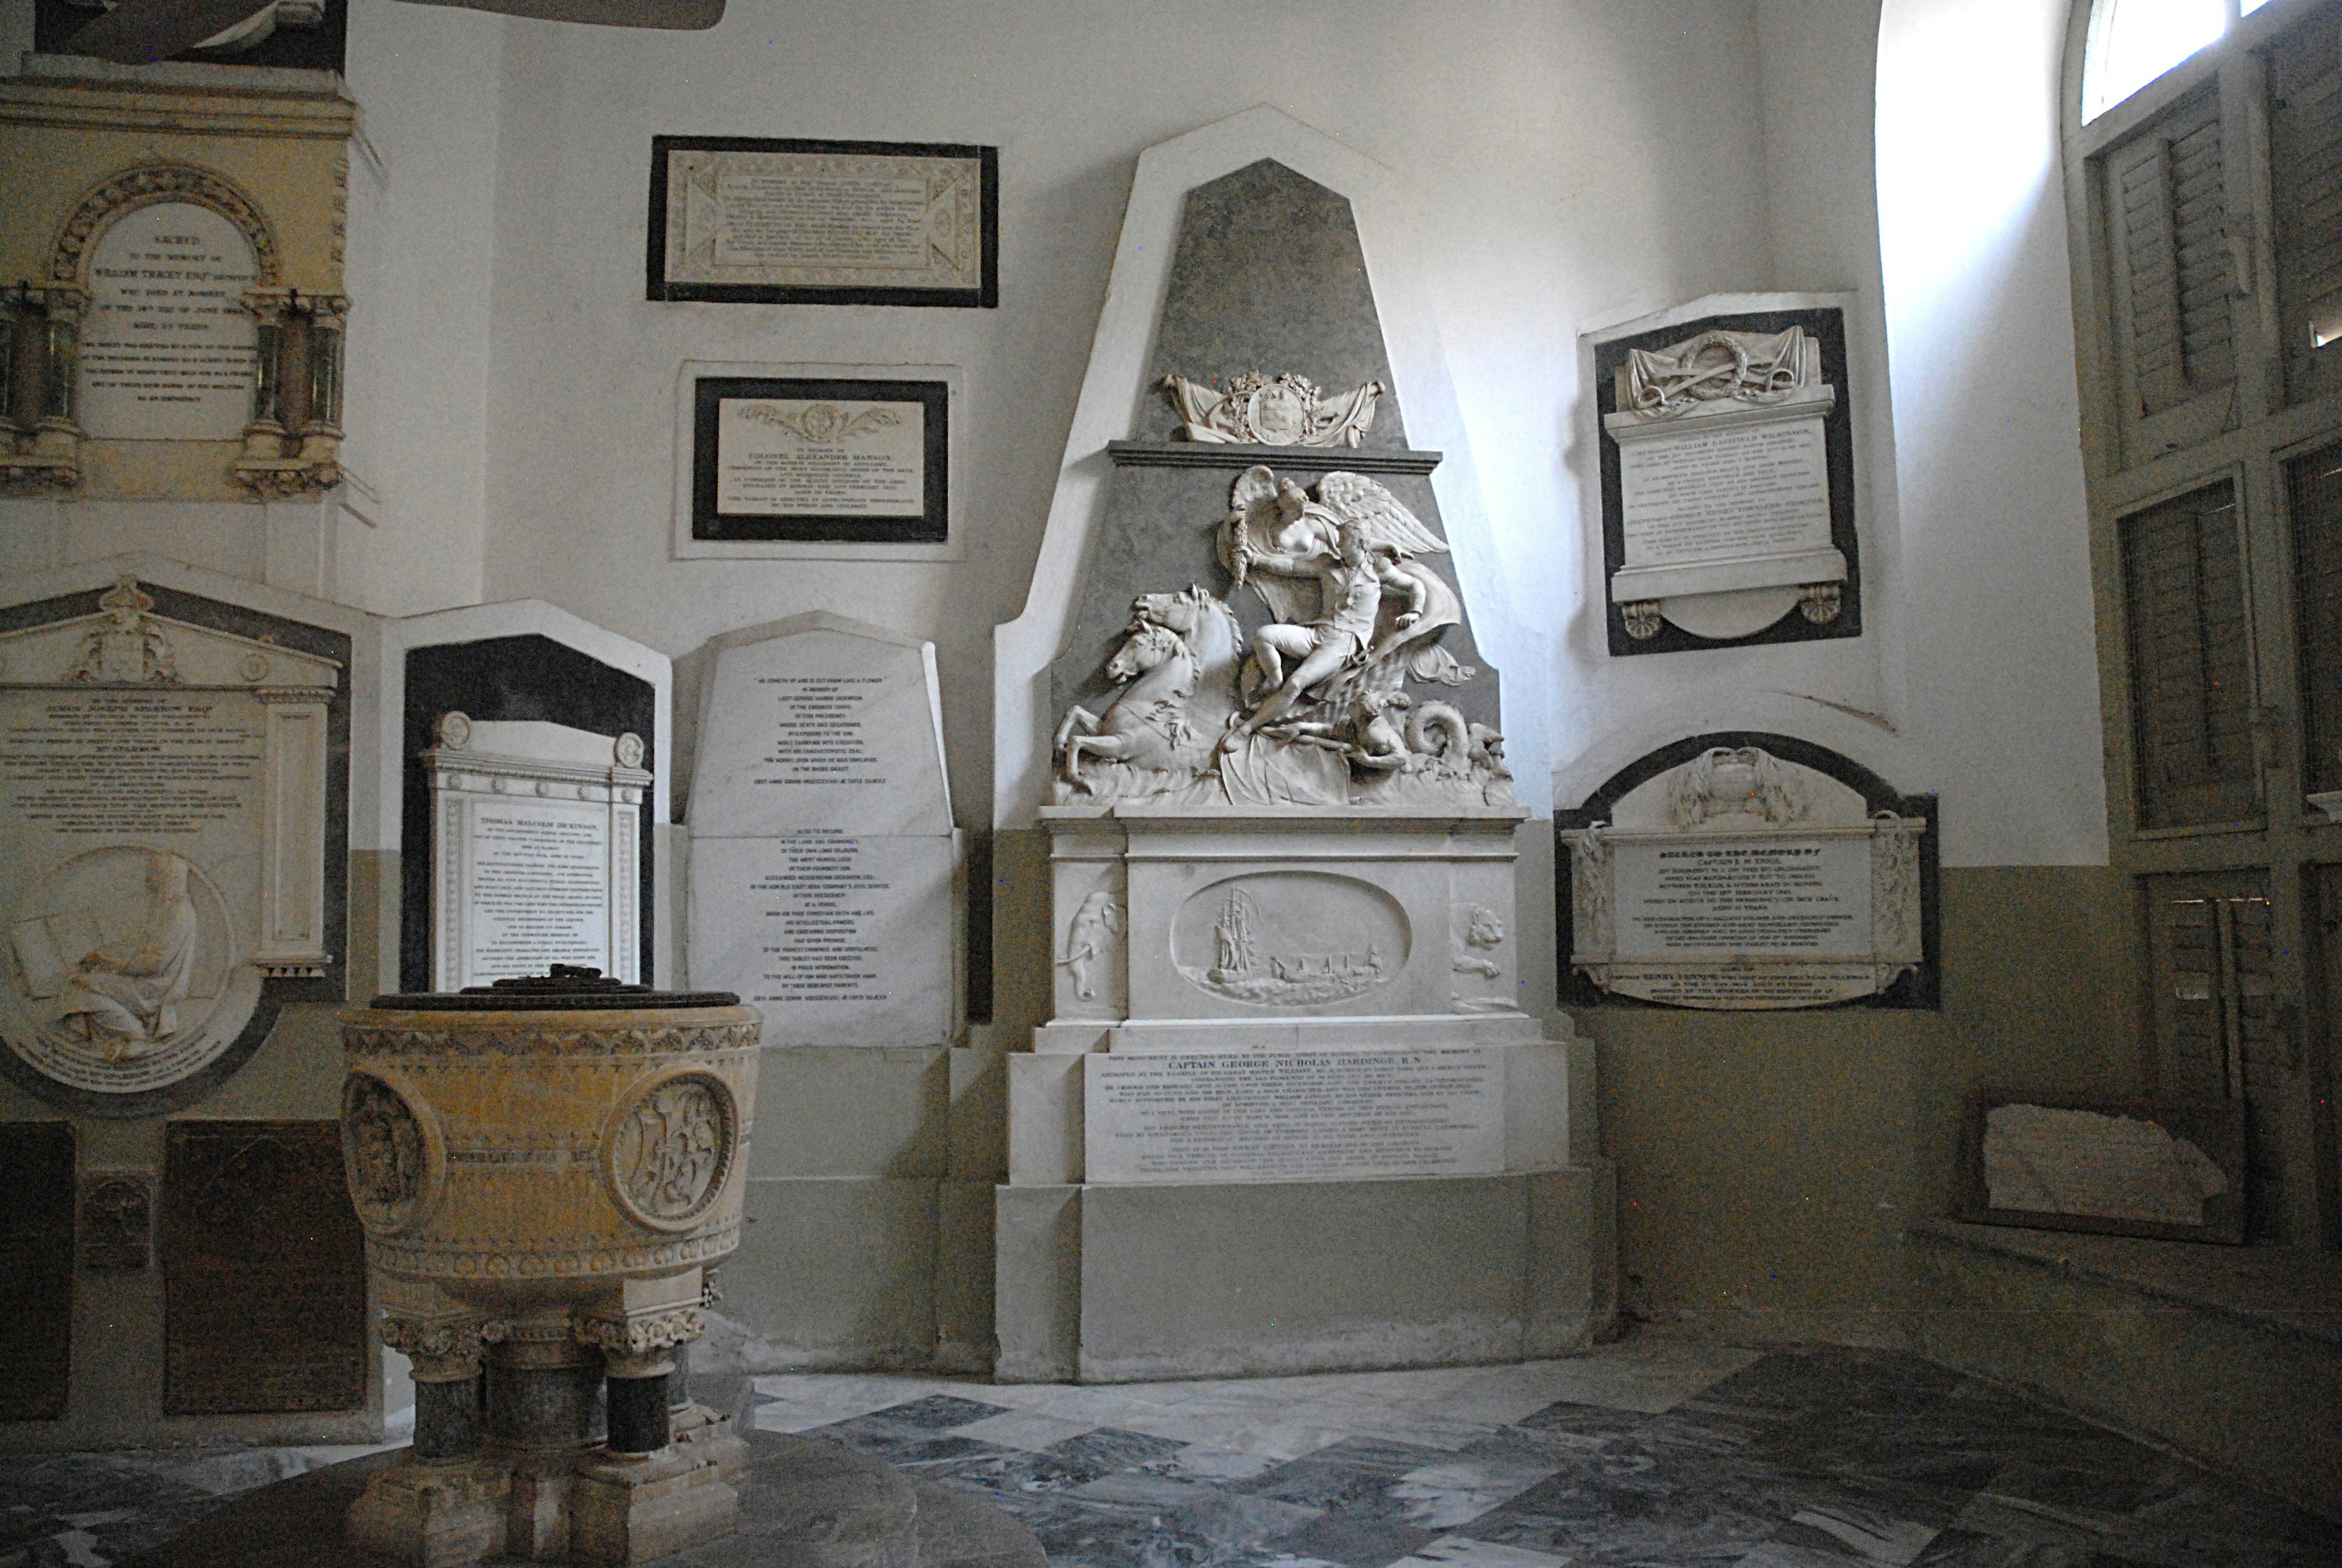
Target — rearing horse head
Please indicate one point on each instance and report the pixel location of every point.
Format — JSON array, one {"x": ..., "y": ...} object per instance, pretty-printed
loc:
[{"x": 1150, "y": 643}]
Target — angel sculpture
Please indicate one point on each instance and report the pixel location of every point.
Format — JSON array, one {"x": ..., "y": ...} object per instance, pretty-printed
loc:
[{"x": 1331, "y": 572}]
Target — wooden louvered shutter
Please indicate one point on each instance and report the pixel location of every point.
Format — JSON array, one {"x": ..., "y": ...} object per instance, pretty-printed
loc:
[
  {"x": 2222, "y": 1034},
  {"x": 2174, "y": 279},
  {"x": 2190, "y": 666},
  {"x": 2314, "y": 485},
  {"x": 2305, "y": 69}
]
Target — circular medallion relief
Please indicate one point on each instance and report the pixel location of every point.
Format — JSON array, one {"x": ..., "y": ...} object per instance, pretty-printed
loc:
[
  {"x": 127, "y": 975},
  {"x": 388, "y": 1153},
  {"x": 670, "y": 1149}
]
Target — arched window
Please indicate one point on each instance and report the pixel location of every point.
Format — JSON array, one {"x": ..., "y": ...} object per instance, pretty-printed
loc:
[
  {"x": 2133, "y": 41},
  {"x": 2203, "y": 167}
]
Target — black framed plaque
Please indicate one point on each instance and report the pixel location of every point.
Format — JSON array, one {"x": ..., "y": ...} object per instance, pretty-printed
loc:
[
  {"x": 1722, "y": 489},
  {"x": 820, "y": 459},
  {"x": 760, "y": 220}
]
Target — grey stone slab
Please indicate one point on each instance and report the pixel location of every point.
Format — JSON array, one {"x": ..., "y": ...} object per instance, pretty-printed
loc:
[
  {"x": 833, "y": 1272},
  {"x": 1269, "y": 277},
  {"x": 965, "y": 1261},
  {"x": 1203, "y": 1280},
  {"x": 1038, "y": 1287},
  {"x": 851, "y": 1111}
]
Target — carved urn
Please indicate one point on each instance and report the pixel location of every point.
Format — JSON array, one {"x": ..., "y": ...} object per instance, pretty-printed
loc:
[{"x": 547, "y": 1169}]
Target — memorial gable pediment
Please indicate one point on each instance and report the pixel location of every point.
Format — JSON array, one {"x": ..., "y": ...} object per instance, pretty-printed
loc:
[{"x": 125, "y": 644}]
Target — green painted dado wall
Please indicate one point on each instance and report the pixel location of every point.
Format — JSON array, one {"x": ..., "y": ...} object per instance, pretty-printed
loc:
[{"x": 1769, "y": 1162}]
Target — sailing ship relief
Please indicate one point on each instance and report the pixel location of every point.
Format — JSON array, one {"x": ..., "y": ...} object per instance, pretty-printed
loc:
[{"x": 1290, "y": 939}]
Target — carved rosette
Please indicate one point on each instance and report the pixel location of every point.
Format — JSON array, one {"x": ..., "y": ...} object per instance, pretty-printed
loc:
[{"x": 669, "y": 1150}]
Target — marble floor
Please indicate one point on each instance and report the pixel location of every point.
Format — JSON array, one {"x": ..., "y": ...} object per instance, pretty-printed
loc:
[{"x": 1650, "y": 1454}]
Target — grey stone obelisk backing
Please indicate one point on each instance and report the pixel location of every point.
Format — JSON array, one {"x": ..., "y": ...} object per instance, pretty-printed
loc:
[
  {"x": 825, "y": 890},
  {"x": 1270, "y": 277}
]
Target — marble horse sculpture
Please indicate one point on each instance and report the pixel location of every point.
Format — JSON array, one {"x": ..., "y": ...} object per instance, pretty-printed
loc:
[{"x": 1177, "y": 668}]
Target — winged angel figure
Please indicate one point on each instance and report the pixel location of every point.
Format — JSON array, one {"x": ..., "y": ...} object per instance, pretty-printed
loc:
[
  {"x": 1355, "y": 615},
  {"x": 1314, "y": 711}
]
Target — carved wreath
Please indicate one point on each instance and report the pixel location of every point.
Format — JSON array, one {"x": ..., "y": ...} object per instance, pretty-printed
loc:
[{"x": 145, "y": 185}]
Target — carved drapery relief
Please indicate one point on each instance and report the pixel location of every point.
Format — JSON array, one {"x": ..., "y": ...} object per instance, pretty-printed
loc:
[
  {"x": 1272, "y": 411},
  {"x": 1313, "y": 709},
  {"x": 1714, "y": 367}
]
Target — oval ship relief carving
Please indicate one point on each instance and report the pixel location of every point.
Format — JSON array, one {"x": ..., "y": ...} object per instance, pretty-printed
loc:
[{"x": 1290, "y": 939}]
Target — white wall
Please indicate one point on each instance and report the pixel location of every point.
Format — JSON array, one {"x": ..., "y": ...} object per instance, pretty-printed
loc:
[
  {"x": 1565, "y": 161},
  {"x": 1979, "y": 315},
  {"x": 1571, "y": 165},
  {"x": 419, "y": 266}
]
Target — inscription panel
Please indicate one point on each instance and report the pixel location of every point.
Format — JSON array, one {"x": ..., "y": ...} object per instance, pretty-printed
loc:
[
  {"x": 168, "y": 349},
  {"x": 820, "y": 728},
  {"x": 839, "y": 939},
  {"x": 1744, "y": 898},
  {"x": 795, "y": 456},
  {"x": 540, "y": 888},
  {"x": 1294, "y": 1115},
  {"x": 263, "y": 1271},
  {"x": 1698, "y": 495}
]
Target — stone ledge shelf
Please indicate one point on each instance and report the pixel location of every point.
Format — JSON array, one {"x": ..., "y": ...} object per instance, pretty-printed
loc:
[
  {"x": 1298, "y": 459},
  {"x": 2232, "y": 1356}
]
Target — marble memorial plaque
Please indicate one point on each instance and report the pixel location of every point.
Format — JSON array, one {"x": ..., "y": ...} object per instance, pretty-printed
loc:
[
  {"x": 823, "y": 222},
  {"x": 824, "y": 861},
  {"x": 1277, "y": 1115},
  {"x": 534, "y": 830},
  {"x": 168, "y": 349},
  {"x": 821, "y": 726},
  {"x": 1737, "y": 880},
  {"x": 263, "y": 1271},
  {"x": 162, "y": 835},
  {"x": 839, "y": 939},
  {"x": 855, "y": 458},
  {"x": 1727, "y": 458}
]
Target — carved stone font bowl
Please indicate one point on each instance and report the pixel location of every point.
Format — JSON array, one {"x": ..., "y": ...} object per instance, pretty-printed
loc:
[{"x": 509, "y": 1157}]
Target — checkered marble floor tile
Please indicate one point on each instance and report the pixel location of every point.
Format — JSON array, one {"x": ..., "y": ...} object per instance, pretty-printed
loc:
[{"x": 1651, "y": 1453}]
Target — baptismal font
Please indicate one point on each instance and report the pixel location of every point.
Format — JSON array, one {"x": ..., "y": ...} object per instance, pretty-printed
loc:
[{"x": 547, "y": 1170}]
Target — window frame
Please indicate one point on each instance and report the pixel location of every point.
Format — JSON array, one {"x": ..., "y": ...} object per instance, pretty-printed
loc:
[{"x": 2291, "y": 841}]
